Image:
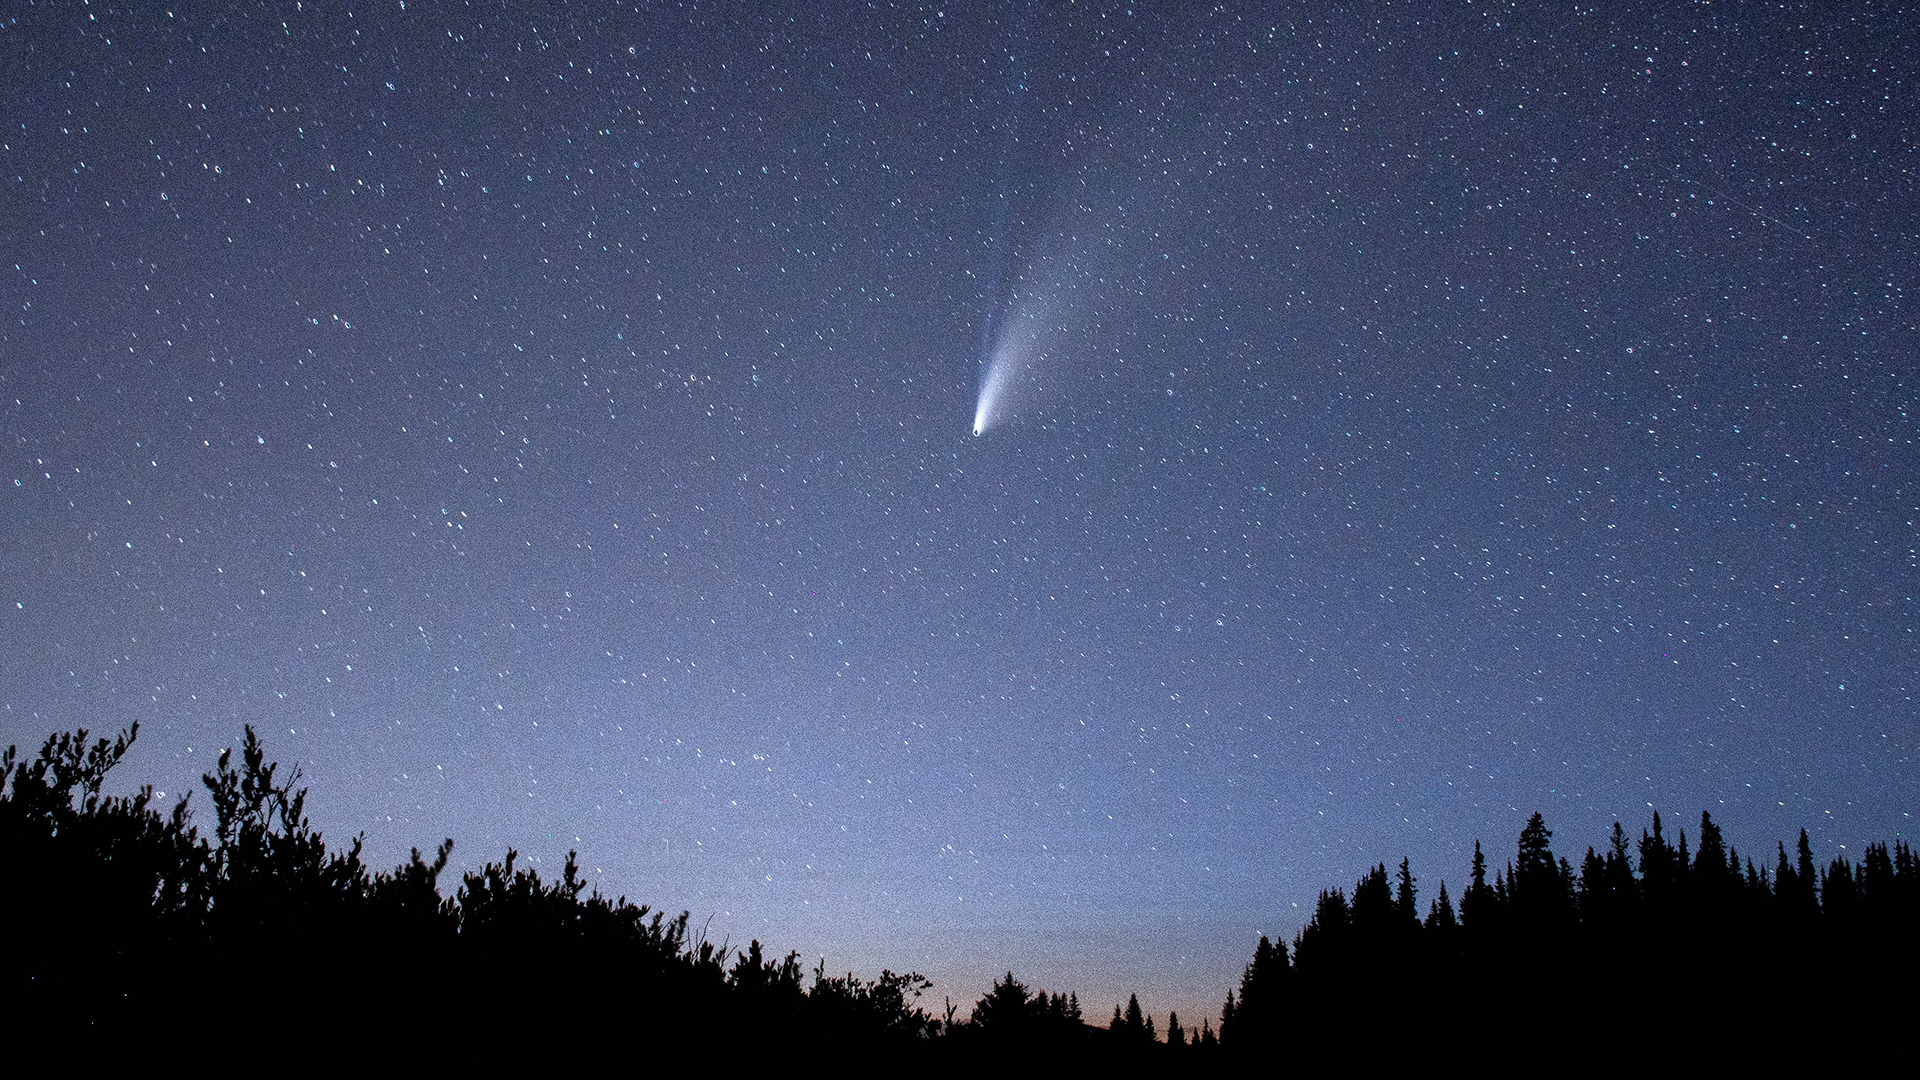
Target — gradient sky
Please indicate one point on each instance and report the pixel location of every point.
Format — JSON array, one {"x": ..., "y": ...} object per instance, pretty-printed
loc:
[{"x": 555, "y": 431}]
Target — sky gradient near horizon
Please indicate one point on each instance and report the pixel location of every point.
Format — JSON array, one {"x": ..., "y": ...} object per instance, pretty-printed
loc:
[{"x": 558, "y": 432}]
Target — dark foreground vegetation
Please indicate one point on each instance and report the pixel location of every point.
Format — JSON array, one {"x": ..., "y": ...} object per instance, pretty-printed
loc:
[
  {"x": 1695, "y": 955},
  {"x": 135, "y": 925},
  {"x": 153, "y": 937}
]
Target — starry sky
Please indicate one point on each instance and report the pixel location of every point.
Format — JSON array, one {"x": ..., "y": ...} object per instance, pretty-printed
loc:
[{"x": 556, "y": 431}]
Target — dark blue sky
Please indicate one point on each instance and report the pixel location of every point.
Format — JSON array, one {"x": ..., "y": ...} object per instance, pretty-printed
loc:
[{"x": 554, "y": 431}]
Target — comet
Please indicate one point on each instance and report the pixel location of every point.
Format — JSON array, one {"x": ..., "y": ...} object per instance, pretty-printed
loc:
[
  {"x": 992, "y": 386},
  {"x": 1006, "y": 376}
]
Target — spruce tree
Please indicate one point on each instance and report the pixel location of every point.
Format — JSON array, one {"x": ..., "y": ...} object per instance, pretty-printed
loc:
[
  {"x": 1622, "y": 888},
  {"x": 1403, "y": 898},
  {"x": 1257, "y": 1015},
  {"x": 1134, "y": 1026},
  {"x": 1477, "y": 904},
  {"x": 1440, "y": 914},
  {"x": 1373, "y": 914}
]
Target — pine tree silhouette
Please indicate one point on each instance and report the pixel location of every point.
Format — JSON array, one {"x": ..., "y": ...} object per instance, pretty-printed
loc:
[
  {"x": 1135, "y": 1028},
  {"x": 1440, "y": 915},
  {"x": 1478, "y": 905}
]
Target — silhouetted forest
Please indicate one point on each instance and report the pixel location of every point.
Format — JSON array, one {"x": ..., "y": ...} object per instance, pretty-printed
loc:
[
  {"x": 1699, "y": 946},
  {"x": 135, "y": 924}
]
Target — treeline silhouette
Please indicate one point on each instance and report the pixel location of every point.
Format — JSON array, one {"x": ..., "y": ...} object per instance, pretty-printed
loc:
[
  {"x": 135, "y": 925},
  {"x": 1701, "y": 945}
]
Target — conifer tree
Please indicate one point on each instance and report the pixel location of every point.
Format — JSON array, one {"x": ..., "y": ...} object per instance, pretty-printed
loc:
[
  {"x": 1004, "y": 1010},
  {"x": 1592, "y": 897},
  {"x": 1839, "y": 892},
  {"x": 1323, "y": 942},
  {"x": 1477, "y": 903},
  {"x": 1440, "y": 914},
  {"x": 1403, "y": 898},
  {"x": 1714, "y": 880},
  {"x": 1134, "y": 1027},
  {"x": 1536, "y": 851},
  {"x": 1876, "y": 881},
  {"x": 1661, "y": 870},
  {"x": 1373, "y": 913},
  {"x": 1622, "y": 888},
  {"x": 1711, "y": 860},
  {"x": 1808, "y": 873},
  {"x": 1263, "y": 982}
]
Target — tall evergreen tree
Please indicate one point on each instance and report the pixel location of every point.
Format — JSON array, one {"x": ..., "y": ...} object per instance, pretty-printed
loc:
[
  {"x": 1876, "y": 882},
  {"x": 1803, "y": 862},
  {"x": 1323, "y": 942},
  {"x": 1661, "y": 870},
  {"x": 1536, "y": 851},
  {"x": 1839, "y": 893},
  {"x": 1403, "y": 898},
  {"x": 1542, "y": 887},
  {"x": 1714, "y": 880},
  {"x": 1711, "y": 859},
  {"x": 1619, "y": 856},
  {"x": 1004, "y": 1010},
  {"x": 1592, "y": 897},
  {"x": 1796, "y": 886},
  {"x": 1622, "y": 888},
  {"x": 1477, "y": 904},
  {"x": 1134, "y": 1027},
  {"x": 1257, "y": 1015},
  {"x": 1785, "y": 881},
  {"x": 1373, "y": 914},
  {"x": 1440, "y": 914}
]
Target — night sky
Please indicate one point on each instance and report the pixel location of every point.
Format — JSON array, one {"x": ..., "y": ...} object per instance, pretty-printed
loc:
[{"x": 557, "y": 431}]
